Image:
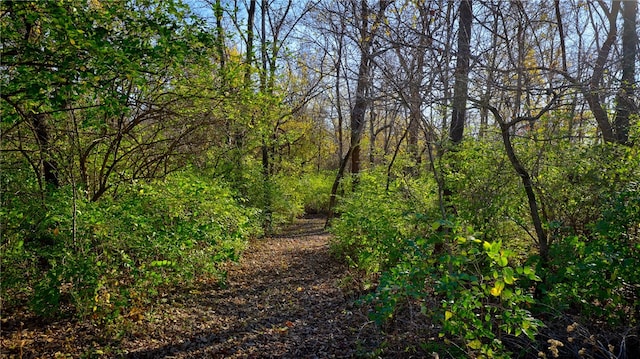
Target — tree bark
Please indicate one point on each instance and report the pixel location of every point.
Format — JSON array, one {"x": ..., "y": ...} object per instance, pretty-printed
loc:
[
  {"x": 625, "y": 105},
  {"x": 542, "y": 238},
  {"x": 249, "y": 55},
  {"x": 357, "y": 116},
  {"x": 592, "y": 93},
  {"x": 367, "y": 35},
  {"x": 49, "y": 167},
  {"x": 461, "y": 84},
  {"x": 220, "y": 40}
]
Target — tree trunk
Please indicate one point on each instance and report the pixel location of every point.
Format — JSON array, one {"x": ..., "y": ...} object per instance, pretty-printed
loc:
[
  {"x": 220, "y": 43},
  {"x": 592, "y": 93},
  {"x": 534, "y": 211},
  {"x": 358, "y": 111},
  {"x": 367, "y": 34},
  {"x": 625, "y": 106},
  {"x": 49, "y": 167},
  {"x": 359, "y": 108},
  {"x": 338, "y": 96},
  {"x": 461, "y": 84},
  {"x": 266, "y": 89},
  {"x": 415, "y": 117},
  {"x": 249, "y": 55}
]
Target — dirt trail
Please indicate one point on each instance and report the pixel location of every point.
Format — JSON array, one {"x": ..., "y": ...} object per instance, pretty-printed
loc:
[{"x": 282, "y": 300}]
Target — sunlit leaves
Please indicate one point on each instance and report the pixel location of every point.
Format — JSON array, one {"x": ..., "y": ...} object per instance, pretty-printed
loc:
[
  {"x": 497, "y": 288},
  {"x": 508, "y": 275}
]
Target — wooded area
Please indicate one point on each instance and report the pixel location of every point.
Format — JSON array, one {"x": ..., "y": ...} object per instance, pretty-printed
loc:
[{"x": 478, "y": 161}]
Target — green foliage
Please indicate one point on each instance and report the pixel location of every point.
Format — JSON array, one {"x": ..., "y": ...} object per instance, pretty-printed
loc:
[
  {"x": 293, "y": 196},
  {"x": 373, "y": 224},
  {"x": 315, "y": 189},
  {"x": 286, "y": 200},
  {"x": 577, "y": 183},
  {"x": 421, "y": 260},
  {"x": 589, "y": 200},
  {"x": 476, "y": 283},
  {"x": 597, "y": 276},
  {"x": 481, "y": 299},
  {"x": 125, "y": 250},
  {"x": 486, "y": 192},
  {"x": 275, "y": 196},
  {"x": 93, "y": 78}
]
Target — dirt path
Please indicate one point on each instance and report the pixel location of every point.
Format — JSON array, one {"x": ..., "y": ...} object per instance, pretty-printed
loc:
[
  {"x": 282, "y": 300},
  {"x": 285, "y": 299}
]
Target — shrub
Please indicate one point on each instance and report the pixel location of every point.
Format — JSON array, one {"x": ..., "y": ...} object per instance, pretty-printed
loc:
[
  {"x": 476, "y": 284},
  {"x": 315, "y": 190},
  {"x": 123, "y": 251},
  {"x": 372, "y": 225},
  {"x": 396, "y": 235},
  {"x": 597, "y": 277}
]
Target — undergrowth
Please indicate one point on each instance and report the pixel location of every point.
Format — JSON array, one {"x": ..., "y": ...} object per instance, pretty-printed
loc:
[
  {"x": 476, "y": 275},
  {"x": 106, "y": 260}
]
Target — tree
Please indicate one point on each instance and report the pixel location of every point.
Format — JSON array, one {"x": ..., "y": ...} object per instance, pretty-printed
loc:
[
  {"x": 594, "y": 90},
  {"x": 625, "y": 104},
  {"x": 102, "y": 74},
  {"x": 461, "y": 85},
  {"x": 368, "y": 29},
  {"x": 411, "y": 35},
  {"x": 369, "y": 25}
]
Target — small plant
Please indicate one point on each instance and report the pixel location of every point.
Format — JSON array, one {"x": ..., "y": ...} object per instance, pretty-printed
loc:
[{"x": 481, "y": 299}]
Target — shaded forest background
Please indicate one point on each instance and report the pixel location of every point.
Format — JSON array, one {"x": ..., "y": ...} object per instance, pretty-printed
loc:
[{"x": 478, "y": 160}]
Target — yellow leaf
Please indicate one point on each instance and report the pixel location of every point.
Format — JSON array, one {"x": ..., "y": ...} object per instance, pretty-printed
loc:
[
  {"x": 475, "y": 344},
  {"x": 447, "y": 315},
  {"x": 497, "y": 289},
  {"x": 72, "y": 41}
]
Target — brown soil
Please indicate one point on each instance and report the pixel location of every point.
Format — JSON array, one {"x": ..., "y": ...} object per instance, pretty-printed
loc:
[{"x": 285, "y": 298}]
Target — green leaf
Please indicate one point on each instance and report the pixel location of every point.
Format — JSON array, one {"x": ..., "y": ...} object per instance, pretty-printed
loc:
[
  {"x": 475, "y": 344},
  {"x": 502, "y": 261},
  {"x": 508, "y": 275}
]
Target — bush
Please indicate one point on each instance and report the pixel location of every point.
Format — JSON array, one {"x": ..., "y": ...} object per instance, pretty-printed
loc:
[
  {"x": 278, "y": 197},
  {"x": 124, "y": 251},
  {"x": 476, "y": 283},
  {"x": 596, "y": 277},
  {"x": 419, "y": 258},
  {"x": 315, "y": 190},
  {"x": 373, "y": 224},
  {"x": 486, "y": 192}
]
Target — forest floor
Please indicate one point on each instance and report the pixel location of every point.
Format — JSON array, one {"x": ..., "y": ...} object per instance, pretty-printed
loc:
[{"x": 286, "y": 298}]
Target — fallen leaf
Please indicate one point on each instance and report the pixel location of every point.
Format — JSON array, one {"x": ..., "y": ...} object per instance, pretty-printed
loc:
[{"x": 289, "y": 323}]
